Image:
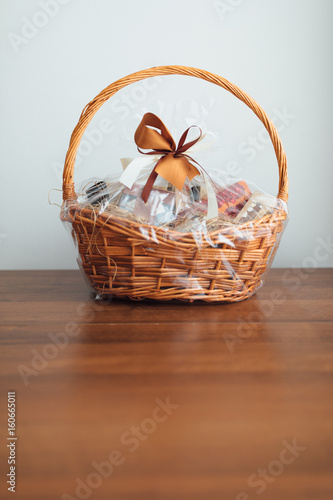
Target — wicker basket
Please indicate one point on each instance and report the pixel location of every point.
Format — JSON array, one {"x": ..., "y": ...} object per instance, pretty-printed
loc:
[{"x": 121, "y": 259}]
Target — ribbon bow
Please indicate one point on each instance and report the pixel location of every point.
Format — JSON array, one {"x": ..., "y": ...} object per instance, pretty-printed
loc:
[{"x": 171, "y": 162}]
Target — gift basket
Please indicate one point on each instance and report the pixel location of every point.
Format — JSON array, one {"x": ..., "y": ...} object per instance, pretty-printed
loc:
[{"x": 167, "y": 228}]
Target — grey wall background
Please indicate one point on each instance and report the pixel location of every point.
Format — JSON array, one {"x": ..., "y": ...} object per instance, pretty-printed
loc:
[{"x": 56, "y": 55}]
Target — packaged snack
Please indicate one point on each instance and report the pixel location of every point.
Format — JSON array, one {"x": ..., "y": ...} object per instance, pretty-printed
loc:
[
  {"x": 160, "y": 210},
  {"x": 259, "y": 205}
]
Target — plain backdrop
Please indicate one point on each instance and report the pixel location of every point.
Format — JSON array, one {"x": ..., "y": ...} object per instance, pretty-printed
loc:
[{"x": 56, "y": 55}]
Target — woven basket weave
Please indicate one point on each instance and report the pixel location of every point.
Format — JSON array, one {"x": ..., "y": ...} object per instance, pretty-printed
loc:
[{"x": 122, "y": 258}]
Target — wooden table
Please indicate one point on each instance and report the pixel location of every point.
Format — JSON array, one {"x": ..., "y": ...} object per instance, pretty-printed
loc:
[{"x": 168, "y": 401}]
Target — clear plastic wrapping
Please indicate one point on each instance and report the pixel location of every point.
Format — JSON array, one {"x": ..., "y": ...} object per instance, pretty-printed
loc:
[{"x": 177, "y": 232}]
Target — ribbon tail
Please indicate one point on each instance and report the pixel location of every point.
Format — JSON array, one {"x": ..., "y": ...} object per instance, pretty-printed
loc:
[
  {"x": 149, "y": 185},
  {"x": 201, "y": 146},
  {"x": 212, "y": 207},
  {"x": 125, "y": 162},
  {"x": 133, "y": 169}
]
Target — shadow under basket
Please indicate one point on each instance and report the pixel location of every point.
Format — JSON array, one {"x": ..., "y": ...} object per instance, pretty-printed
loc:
[{"x": 125, "y": 259}]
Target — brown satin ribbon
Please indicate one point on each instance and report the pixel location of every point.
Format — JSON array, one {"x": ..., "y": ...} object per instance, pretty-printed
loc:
[{"x": 174, "y": 165}]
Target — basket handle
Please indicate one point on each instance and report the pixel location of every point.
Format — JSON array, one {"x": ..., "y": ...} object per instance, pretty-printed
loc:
[{"x": 91, "y": 108}]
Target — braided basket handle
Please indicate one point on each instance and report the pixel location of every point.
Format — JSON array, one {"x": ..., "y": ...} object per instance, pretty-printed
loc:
[{"x": 91, "y": 108}]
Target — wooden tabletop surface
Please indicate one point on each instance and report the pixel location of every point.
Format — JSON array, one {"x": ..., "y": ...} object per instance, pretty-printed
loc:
[{"x": 149, "y": 401}]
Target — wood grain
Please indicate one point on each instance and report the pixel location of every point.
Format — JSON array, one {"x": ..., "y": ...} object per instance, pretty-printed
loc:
[{"x": 246, "y": 377}]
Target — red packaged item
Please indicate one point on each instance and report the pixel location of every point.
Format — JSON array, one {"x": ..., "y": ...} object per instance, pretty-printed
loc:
[{"x": 232, "y": 199}]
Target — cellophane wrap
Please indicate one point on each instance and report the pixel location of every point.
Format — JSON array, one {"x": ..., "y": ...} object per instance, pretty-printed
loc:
[{"x": 166, "y": 247}]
